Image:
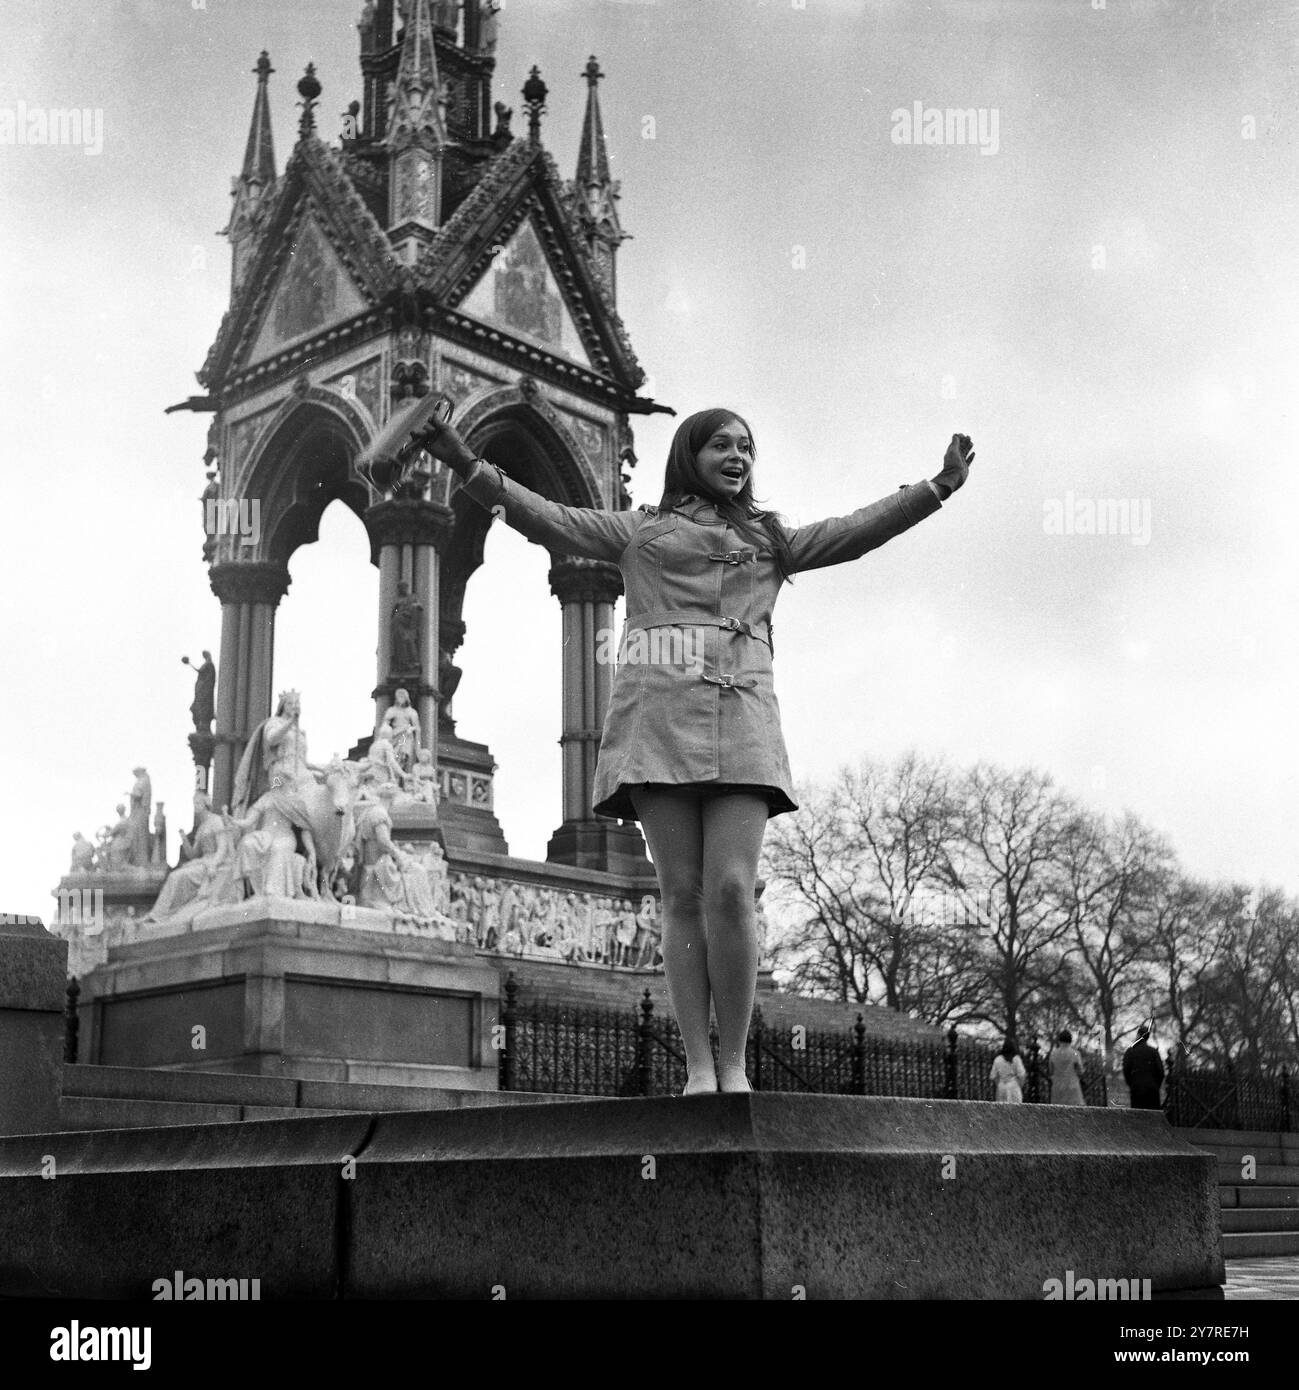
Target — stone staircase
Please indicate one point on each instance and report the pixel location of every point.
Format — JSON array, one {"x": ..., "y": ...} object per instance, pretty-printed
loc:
[
  {"x": 96, "y": 1097},
  {"x": 1259, "y": 1217}
]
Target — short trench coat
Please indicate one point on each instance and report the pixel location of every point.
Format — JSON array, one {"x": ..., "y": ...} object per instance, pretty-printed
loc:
[{"x": 693, "y": 699}]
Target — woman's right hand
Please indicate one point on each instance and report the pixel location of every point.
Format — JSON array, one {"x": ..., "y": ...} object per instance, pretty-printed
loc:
[{"x": 444, "y": 442}]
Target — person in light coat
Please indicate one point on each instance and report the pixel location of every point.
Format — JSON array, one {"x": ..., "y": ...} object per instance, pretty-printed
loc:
[
  {"x": 1066, "y": 1072},
  {"x": 1009, "y": 1074},
  {"x": 692, "y": 744}
]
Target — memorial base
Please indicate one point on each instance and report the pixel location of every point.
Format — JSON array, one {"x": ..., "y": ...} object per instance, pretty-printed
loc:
[{"x": 266, "y": 987}]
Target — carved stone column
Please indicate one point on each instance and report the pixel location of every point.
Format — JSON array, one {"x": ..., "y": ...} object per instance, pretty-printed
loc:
[
  {"x": 249, "y": 594},
  {"x": 406, "y": 538},
  {"x": 587, "y": 591}
]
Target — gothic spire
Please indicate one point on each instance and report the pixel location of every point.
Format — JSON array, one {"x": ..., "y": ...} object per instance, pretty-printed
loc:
[
  {"x": 251, "y": 185},
  {"x": 594, "y": 192},
  {"x": 259, "y": 153},
  {"x": 416, "y": 114},
  {"x": 593, "y": 156},
  {"x": 416, "y": 135}
]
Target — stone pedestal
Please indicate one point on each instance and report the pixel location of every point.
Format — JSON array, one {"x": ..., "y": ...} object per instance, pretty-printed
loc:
[
  {"x": 92, "y": 905},
  {"x": 744, "y": 1196},
  {"x": 613, "y": 847},
  {"x": 33, "y": 976},
  {"x": 269, "y": 987},
  {"x": 465, "y": 793}
]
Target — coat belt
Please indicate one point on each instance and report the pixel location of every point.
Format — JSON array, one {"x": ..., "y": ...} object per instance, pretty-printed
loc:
[{"x": 688, "y": 617}]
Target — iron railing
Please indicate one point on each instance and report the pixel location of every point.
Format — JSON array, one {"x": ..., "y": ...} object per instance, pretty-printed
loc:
[
  {"x": 1229, "y": 1097},
  {"x": 576, "y": 1050}
]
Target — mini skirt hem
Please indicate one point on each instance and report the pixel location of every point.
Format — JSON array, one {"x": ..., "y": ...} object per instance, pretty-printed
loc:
[{"x": 620, "y": 806}]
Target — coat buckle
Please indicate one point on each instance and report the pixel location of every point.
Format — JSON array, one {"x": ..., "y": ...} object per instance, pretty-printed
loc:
[
  {"x": 728, "y": 682},
  {"x": 732, "y": 624},
  {"x": 729, "y": 557}
]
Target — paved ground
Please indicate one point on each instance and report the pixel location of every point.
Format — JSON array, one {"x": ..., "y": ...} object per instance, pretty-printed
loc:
[{"x": 1274, "y": 1278}]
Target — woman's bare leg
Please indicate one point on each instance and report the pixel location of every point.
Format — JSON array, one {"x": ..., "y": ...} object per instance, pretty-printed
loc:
[
  {"x": 733, "y": 827},
  {"x": 674, "y": 832}
]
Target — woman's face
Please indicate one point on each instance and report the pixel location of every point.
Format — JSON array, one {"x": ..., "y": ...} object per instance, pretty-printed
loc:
[{"x": 725, "y": 462}]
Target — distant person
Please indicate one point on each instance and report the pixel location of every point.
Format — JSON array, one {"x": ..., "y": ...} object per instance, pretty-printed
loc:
[
  {"x": 1066, "y": 1072},
  {"x": 1143, "y": 1071},
  {"x": 1008, "y": 1072}
]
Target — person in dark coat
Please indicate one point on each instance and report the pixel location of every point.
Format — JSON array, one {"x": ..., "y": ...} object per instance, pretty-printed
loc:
[
  {"x": 1144, "y": 1072},
  {"x": 692, "y": 744}
]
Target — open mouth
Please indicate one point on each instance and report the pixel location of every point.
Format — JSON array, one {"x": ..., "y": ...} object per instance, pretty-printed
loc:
[{"x": 737, "y": 474}]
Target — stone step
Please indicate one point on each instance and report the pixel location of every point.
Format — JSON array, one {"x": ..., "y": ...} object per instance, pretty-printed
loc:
[
  {"x": 205, "y": 1087},
  {"x": 275, "y": 1093},
  {"x": 1260, "y": 1153},
  {"x": 1265, "y": 1175},
  {"x": 1240, "y": 1139},
  {"x": 97, "y": 1097},
  {"x": 1260, "y": 1219},
  {"x": 116, "y": 1112},
  {"x": 1247, "y": 1195},
  {"x": 1244, "y": 1245}
]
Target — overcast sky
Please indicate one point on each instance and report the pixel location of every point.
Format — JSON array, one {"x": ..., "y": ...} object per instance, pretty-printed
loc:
[{"x": 1105, "y": 299}]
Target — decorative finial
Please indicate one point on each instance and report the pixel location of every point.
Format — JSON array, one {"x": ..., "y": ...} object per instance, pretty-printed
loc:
[
  {"x": 263, "y": 68},
  {"x": 309, "y": 90},
  {"x": 592, "y": 71},
  {"x": 534, "y": 94}
]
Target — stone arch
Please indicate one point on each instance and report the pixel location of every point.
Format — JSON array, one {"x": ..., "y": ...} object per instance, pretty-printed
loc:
[
  {"x": 517, "y": 429},
  {"x": 303, "y": 461},
  {"x": 514, "y": 428}
]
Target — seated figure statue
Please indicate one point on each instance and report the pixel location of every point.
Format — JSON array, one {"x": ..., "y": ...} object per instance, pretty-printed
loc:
[
  {"x": 379, "y": 767},
  {"x": 83, "y": 855},
  {"x": 395, "y": 880},
  {"x": 207, "y": 878},
  {"x": 115, "y": 842},
  {"x": 267, "y": 859},
  {"x": 400, "y": 728},
  {"x": 421, "y": 783}
]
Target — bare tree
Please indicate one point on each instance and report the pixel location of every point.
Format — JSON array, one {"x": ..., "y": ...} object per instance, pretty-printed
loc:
[
  {"x": 1189, "y": 927},
  {"x": 1112, "y": 869},
  {"x": 1246, "y": 1013},
  {"x": 1006, "y": 859},
  {"x": 859, "y": 868}
]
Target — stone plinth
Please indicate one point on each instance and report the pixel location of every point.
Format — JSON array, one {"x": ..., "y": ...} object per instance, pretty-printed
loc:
[
  {"x": 33, "y": 975},
  {"x": 747, "y": 1196},
  {"x": 268, "y": 987}
]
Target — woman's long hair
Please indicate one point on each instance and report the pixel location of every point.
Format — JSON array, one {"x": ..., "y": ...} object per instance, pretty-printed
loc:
[{"x": 682, "y": 477}]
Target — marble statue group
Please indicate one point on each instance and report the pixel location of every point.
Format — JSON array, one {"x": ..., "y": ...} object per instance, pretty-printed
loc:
[{"x": 322, "y": 833}]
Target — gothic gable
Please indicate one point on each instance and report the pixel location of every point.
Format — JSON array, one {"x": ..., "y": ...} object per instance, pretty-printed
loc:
[
  {"x": 511, "y": 257},
  {"x": 320, "y": 258},
  {"x": 519, "y": 293},
  {"x": 314, "y": 290}
]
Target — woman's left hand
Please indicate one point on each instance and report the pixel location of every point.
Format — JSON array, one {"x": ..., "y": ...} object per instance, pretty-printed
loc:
[{"x": 956, "y": 462}]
